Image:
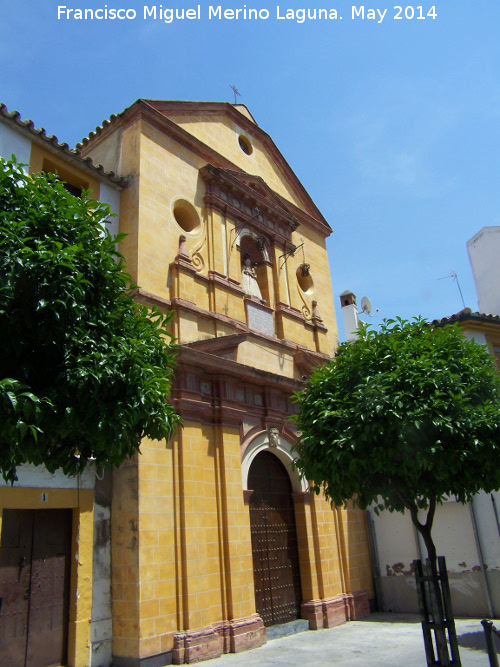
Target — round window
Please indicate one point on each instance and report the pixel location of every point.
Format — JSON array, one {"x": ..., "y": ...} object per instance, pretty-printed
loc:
[
  {"x": 186, "y": 216},
  {"x": 304, "y": 278},
  {"x": 245, "y": 145}
]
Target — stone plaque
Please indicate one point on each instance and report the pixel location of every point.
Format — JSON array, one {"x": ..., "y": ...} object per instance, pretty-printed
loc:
[{"x": 260, "y": 319}]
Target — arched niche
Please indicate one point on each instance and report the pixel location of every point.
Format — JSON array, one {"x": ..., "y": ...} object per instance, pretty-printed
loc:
[
  {"x": 282, "y": 450},
  {"x": 254, "y": 250}
]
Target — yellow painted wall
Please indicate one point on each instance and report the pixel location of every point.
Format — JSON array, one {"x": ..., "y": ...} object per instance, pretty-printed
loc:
[
  {"x": 221, "y": 134},
  {"x": 169, "y": 171},
  {"x": 185, "y": 536},
  {"x": 181, "y": 547},
  {"x": 43, "y": 160}
]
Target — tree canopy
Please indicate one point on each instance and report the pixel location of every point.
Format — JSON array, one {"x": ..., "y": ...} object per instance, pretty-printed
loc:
[
  {"x": 84, "y": 370},
  {"x": 402, "y": 417}
]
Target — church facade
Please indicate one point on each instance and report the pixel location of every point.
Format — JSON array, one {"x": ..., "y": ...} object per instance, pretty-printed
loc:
[{"x": 214, "y": 536}]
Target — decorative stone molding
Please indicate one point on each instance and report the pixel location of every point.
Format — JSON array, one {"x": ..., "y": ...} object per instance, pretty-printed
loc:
[
  {"x": 225, "y": 637},
  {"x": 220, "y": 345},
  {"x": 305, "y": 360},
  {"x": 238, "y": 194},
  {"x": 302, "y": 497},
  {"x": 247, "y": 494},
  {"x": 227, "y": 283},
  {"x": 316, "y": 319},
  {"x": 273, "y": 433},
  {"x": 182, "y": 252},
  {"x": 326, "y": 613},
  {"x": 290, "y": 311},
  {"x": 283, "y": 451},
  {"x": 246, "y": 633},
  {"x": 331, "y": 612},
  {"x": 197, "y": 645},
  {"x": 182, "y": 258},
  {"x": 358, "y": 604}
]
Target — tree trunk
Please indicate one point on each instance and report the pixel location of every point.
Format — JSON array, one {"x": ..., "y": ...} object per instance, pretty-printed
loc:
[
  {"x": 425, "y": 531},
  {"x": 425, "y": 528},
  {"x": 433, "y": 586}
]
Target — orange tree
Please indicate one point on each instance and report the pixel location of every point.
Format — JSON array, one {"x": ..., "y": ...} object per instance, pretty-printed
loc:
[
  {"x": 403, "y": 417},
  {"x": 84, "y": 370}
]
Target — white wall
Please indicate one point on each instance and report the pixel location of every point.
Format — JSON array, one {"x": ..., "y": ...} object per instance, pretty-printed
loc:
[
  {"x": 111, "y": 196},
  {"x": 484, "y": 254},
  {"x": 351, "y": 321},
  {"x": 453, "y": 534},
  {"x": 30, "y": 476},
  {"x": 13, "y": 143}
]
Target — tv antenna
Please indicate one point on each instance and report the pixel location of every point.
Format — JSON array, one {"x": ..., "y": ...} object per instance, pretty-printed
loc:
[
  {"x": 236, "y": 92},
  {"x": 454, "y": 276}
]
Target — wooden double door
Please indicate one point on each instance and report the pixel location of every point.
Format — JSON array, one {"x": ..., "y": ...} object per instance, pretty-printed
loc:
[
  {"x": 278, "y": 594},
  {"x": 35, "y": 562}
]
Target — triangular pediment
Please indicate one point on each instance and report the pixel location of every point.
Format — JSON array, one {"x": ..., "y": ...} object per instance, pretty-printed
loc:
[
  {"x": 220, "y": 125},
  {"x": 258, "y": 185}
]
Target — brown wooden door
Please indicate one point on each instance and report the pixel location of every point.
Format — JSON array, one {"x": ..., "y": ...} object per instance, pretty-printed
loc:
[
  {"x": 278, "y": 594},
  {"x": 35, "y": 560}
]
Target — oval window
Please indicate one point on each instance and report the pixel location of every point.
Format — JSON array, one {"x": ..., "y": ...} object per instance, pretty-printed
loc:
[
  {"x": 186, "y": 216},
  {"x": 245, "y": 144},
  {"x": 304, "y": 278}
]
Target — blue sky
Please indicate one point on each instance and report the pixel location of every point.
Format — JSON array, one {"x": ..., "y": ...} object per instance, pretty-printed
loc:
[{"x": 392, "y": 127}]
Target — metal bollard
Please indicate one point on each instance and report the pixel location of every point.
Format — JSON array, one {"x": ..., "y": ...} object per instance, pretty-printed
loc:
[{"x": 489, "y": 628}]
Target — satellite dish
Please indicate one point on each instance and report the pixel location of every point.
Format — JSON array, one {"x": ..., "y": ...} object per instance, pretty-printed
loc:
[{"x": 366, "y": 305}]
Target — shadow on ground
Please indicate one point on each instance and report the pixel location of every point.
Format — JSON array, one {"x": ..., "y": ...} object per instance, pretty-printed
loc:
[
  {"x": 390, "y": 617},
  {"x": 476, "y": 641}
]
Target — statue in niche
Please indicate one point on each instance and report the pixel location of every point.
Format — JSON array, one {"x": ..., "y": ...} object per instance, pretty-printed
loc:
[{"x": 249, "y": 282}]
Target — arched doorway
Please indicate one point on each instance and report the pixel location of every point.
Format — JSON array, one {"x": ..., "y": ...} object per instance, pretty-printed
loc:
[{"x": 278, "y": 593}]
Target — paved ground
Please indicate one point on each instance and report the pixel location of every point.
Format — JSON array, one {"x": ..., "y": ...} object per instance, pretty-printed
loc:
[{"x": 382, "y": 640}]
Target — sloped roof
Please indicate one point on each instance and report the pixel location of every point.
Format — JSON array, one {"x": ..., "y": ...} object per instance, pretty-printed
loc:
[
  {"x": 157, "y": 109},
  {"x": 467, "y": 315},
  {"x": 27, "y": 128}
]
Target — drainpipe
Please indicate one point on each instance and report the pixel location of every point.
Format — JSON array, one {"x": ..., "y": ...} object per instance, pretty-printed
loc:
[{"x": 481, "y": 560}]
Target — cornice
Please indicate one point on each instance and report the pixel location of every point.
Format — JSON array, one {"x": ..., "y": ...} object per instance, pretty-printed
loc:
[
  {"x": 230, "y": 193},
  {"x": 211, "y": 364}
]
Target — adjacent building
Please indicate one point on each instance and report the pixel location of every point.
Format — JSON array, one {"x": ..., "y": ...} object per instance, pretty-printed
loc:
[
  {"x": 467, "y": 535},
  {"x": 55, "y": 529}
]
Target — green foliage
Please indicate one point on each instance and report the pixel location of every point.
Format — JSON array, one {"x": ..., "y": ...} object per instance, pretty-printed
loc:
[
  {"x": 403, "y": 417},
  {"x": 84, "y": 370}
]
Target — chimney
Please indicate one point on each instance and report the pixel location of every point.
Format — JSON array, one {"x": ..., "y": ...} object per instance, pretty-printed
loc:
[{"x": 349, "y": 315}]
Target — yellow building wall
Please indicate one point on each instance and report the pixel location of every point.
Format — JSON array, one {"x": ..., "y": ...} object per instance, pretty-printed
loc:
[
  {"x": 182, "y": 530},
  {"x": 43, "y": 160},
  {"x": 181, "y": 545},
  {"x": 354, "y": 549},
  {"x": 169, "y": 171},
  {"x": 129, "y": 201},
  {"x": 221, "y": 134},
  {"x": 270, "y": 358}
]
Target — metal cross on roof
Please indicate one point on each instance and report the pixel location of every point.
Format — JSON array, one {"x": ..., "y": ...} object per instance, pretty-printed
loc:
[{"x": 236, "y": 92}]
